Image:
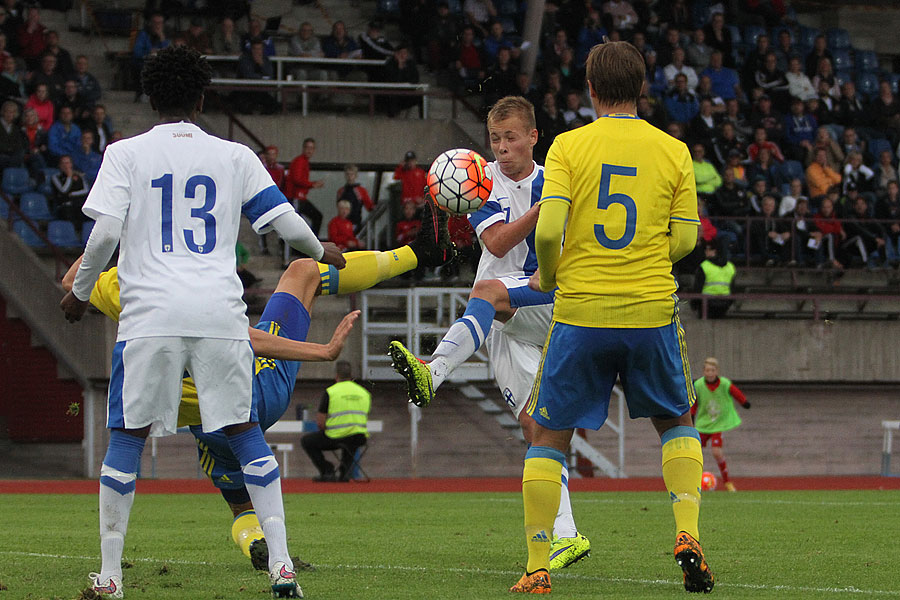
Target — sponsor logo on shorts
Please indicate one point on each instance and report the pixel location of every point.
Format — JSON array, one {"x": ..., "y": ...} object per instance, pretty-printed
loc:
[
  {"x": 543, "y": 412},
  {"x": 510, "y": 399}
]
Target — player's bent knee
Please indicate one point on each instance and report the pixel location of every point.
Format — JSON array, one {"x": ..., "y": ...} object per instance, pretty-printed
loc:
[{"x": 490, "y": 290}]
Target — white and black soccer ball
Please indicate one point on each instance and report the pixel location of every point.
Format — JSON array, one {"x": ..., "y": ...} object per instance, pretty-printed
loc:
[{"x": 460, "y": 181}]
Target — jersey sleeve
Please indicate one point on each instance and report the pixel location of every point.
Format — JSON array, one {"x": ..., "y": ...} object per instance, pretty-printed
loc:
[
  {"x": 105, "y": 295},
  {"x": 262, "y": 201},
  {"x": 557, "y": 176},
  {"x": 491, "y": 213},
  {"x": 111, "y": 192},
  {"x": 684, "y": 200}
]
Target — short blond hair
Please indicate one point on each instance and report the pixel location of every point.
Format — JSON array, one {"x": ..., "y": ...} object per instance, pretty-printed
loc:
[
  {"x": 711, "y": 360},
  {"x": 513, "y": 106}
]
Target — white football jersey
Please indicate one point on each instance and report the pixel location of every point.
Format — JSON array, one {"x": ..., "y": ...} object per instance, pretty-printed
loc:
[
  {"x": 180, "y": 193},
  {"x": 509, "y": 200}
]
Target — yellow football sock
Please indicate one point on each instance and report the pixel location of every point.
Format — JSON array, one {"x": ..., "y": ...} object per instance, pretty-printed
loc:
[
  {"x": 682, "y": 469},
  {"x": 541, "y": 482},
  {"x": 245, "y": 530},
  {"x": 365, "y": 269}
]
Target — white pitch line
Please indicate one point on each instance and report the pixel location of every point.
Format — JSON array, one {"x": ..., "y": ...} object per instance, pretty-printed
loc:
[
  {"x": 475, "y": 571},
  {"x": 581, "y": 500}
]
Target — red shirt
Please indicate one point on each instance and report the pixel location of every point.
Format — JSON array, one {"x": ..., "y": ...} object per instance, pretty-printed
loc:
[
  {"x": 43, "y": 109},
  {"x": 461, "y": 233},
  {"x": 298, "y": 183},
  {"x": 709, "y": 230},
  {"x": 772, "y": 147},
  {"x": 413, "y": 184},
  {"x": 828, "y": 225},
  {"x": 276, "y": 171},
  {"x": 32, "y": 44},
  {"x": 406, "y": 231},
  {"x": 340, "y": 231}
]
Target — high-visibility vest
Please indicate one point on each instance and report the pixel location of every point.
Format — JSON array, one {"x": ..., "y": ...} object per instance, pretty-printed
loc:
[
  {"x": 717, "y": 279},
  {"x": 348, "y": 409},
  {"x": 715, "y": 409}
]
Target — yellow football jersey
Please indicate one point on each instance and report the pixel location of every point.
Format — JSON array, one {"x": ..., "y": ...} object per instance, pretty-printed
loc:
[
  {"x": 624, "y": 181},
  {"x": 105, "y": 296}
]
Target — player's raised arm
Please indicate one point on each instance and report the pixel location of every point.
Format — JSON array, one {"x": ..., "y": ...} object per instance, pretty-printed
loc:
[{"x": 267, "y": 345}]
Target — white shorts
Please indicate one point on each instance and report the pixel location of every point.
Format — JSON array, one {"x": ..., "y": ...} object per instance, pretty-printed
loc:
[
  {"x": 514, "y": 349},
  {"x": 145, "y": 384}
]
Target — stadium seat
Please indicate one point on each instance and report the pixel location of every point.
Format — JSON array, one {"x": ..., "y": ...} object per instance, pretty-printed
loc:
[
  {"x": 455, "y": 6},
  {"x": 879, "y": 145},
  {"x": 507, "y": 8},
  {"x": 837, "y": 39},
  {"x": 4, "y": 209},
  {"x": 777, "y": 31},
  {"x": 752, "y": 33},
  {"x": 16, "y": 181},
  {"x": 34, "y": 205},
  {"x": 867, "y": 84},
  {"x": 894, "y": 78},
  {"x": 46, "y": 188},
  {"x": 841, "y": 60},
  {"x": 790, "y": 170},
  {"x": 28, "y": 236},
  {"x": 86, "y": 229},
  {"x": 62, "y": 234},
  {"x": 736, "y": 37},
  {"x": 866, "y": 61},
  {"x": 806, "y": 36},
  {"x": 388, "y": 7},
  {"x": 844, "y": 75}
]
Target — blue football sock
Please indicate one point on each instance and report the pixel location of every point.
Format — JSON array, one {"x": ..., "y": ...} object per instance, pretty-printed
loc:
[
  {"x": 117, "y": 481},
  {"x": 464, "y": 337}
]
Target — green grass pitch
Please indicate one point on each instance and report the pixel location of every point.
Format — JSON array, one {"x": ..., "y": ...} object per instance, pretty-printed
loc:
[{"x": 431, "y": 546}]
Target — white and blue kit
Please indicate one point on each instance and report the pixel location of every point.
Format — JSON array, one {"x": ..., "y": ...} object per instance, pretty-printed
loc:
[{"x": 514, "y": 348}]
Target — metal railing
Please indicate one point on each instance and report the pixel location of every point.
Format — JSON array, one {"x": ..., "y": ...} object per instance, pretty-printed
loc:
[
  {"x": 799, "y": 302},
  {"x": 328, "y": 64}
]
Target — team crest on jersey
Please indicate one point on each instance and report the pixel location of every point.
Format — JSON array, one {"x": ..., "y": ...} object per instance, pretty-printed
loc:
[{"x": 510, "y": 399}]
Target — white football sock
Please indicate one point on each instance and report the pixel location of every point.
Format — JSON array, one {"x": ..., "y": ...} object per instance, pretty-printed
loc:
[
  {"x": 115, "y": 508},
  {"x": 264, "y": 486},
  {"x": 564, "y": 526}
]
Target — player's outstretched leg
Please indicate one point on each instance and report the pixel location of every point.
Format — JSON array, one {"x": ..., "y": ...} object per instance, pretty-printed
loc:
[
  {"x": 416, "y": 373},
  {"x": 567, "y": 546},
  {"x": 432, "y": 244}
]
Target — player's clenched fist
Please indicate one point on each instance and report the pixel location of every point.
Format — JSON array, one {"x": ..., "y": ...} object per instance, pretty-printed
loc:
[
  {"x": 73, "y": 307},
  {"x": 332, "y": 255}
]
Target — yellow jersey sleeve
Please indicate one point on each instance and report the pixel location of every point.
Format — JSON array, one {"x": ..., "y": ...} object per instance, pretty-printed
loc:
[
  {"x": 684, "y": 200},
  {"x": 105, "y": 295},
  {"x": 557, "y": 176}
]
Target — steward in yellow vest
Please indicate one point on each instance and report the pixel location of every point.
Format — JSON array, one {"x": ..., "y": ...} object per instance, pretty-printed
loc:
[{"x": 714, "y": 278}]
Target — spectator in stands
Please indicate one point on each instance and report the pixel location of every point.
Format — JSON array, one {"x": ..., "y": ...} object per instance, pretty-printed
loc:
[
  {"x": 827, "y": 222},
  {"x": 225, "y": 40},
  {"x": 834, "y": 155},
  {"x": 255, "y": 65},
  {"x": 69, "y": 192},
  {"x": 469, "y": 63},
  {"x": 886, "y": 112},
  {"x": 622, "y": 13},
  {"x": 406, "y": 229},
  {"x": 709, "y": 233},
  {"x": 772, "y": 81},
  {"x": 71, "y": 98},
  {"x": 495, "y": 40},
  {"x": 501, "y": 78},
  {"x": 789, "y": 202},
  {"x": 149, "y": 40},
  {"x": 799, "y": 131},
  {"x": 88, "y": 86},
  {"x": 412, "y": 179},
  {"x": 724, "y": 144},
  {"x": 86, "y": 159},
  {"x": 339, "y": 44},
  {"x": 703, "y": 126},
  {"x": 401, "y": 68},
  {"x": 764, "y": 115},
  {"x": 666, "y": 49},
  {"x": 705, "y": 174},
  {"x": 865, "y": 238},
  {"x": 852, "y": 110},
  {"x": 12, "y": 142},
  {"x": 275, "y": 169},
  {"x": 827, "y": 104},
  {"x": 592, "y": 34},
  {"x": 242, "y": 256},
  {"x": 576, "y": 114},
  {"x": 196, "y": 37},
  {"x": 807, "y": 240},
  {"x": 680, "y": 101},
  {"x": 9, "y": 26},
  {"x": 49, "y": 76},
  {"x": 356, "y": 194},
  {"x": 742, "y": 128},
  {"x": 651, "y": 111},
  {"x": 255, "y": 32},
  {"x": 41, "y": 103},
  {"x": 305, "y": 44},
  {"x": 889, "y": 210},
  {"x": 570, "y": 74},
  {"x": 737, "y": 166},
  {"x": 858, "y": 174},
  {"x": 443, "y": 30},
  {"x": 36, "y": 143},
  {"x": 31, "y": 40},
  {"x": 769, "y": 236},
  {"x": 719, "y": 38},
  {"x": 754, "y": 61},
  {"x": 64, "y": 136},
  {"x": 759, "y": 187},
  {"x": 784, "y": 49},
  {"x": 819, "y": 51},
  {"x": 730, "y": 200},
  {"x": 799, "y": 84},
  {"x": 375, "y": 46},
  {"x": 526, "y": 89},
  {"x": 698, "y": 54},
  {"x": 724, "y": 81},
  {"x": 850, "y": 141},
  {"x": 764, "y": 166},
  {"x": 760, "y": 141},
  {"x": 550, "y": 123},
  {"x": 713, "y": 278},
  {"x": 340, "y": 228},
  {"x": 655, "y": 75},
  {"x": 677, "y": 67},
  {"x": 479, "y": 13},
  {"x": 12, "y": 87},
  {"x": 299, "y": 184},
  {"x": 885, "y": 172},
  {"x": 826, "y": 79},
  {"x": 819, "y": 176},
  {"x": 99, "y": 127},
  {"x": 64, "y": 65}
]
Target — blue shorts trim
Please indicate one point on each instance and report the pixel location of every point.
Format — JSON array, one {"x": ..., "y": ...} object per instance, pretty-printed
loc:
[
  {"x": 116, "y": 416},
  {"x": 580, "y": 366}
]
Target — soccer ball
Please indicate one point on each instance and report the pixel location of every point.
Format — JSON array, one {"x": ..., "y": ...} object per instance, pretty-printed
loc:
[
  {"x": 460, "y": 181},
  {"x": 708, "y": 482}
]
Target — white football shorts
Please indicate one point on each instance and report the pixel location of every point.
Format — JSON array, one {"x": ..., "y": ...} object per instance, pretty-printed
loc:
[{"x": 145, "y": 383}]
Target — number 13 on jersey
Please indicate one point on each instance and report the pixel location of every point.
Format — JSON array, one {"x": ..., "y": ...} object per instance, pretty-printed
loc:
[
  {"x": 165, "y": 185},
  {"x": 606, "y": 199}
]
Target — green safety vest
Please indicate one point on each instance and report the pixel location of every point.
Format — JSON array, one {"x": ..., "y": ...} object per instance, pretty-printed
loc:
[
  {"x": 715, "y": 409},
  {"x": 348, "y": 409},
  {"x": 718, "y": 279}
]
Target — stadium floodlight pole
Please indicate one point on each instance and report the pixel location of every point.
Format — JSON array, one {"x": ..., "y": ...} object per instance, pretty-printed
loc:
[{"x": 531, "y": 41}]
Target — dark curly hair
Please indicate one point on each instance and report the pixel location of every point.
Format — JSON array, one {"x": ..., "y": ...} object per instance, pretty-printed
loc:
[{"x": 174, "y": 79}]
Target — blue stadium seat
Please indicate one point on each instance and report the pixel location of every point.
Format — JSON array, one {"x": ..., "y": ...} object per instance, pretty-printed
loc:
[
  {"x": 806, "y": 36},
  {"x": 844, "y": 75},
  {"x": 86, "y": 229},
  {"x": 866, "y": 61},
  {"x": 46, "y": 188},
  {"x": 894, "y": 78},
  {"x": 838, "y": 39},
  {"x": 777, "y": 31},
  {"x": 507, "y": 8},
  {"x": 790, "y": 170},
  {"x": 736, "y": 37},
  {"x": 867, "y": 84},
  {"x": 879, "y": 145},
  {"x": 4, "y": 209},
  {"x": 28, "y": 236},
  {"x": 841, "y": 60},
  {"x": 16, "y": 181},
  {"x": 62, "y": 234},
  {"x": 752, "y": 33},
  {"x": 388, "y": 7},
  {"x": 34, "y": 205}
]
